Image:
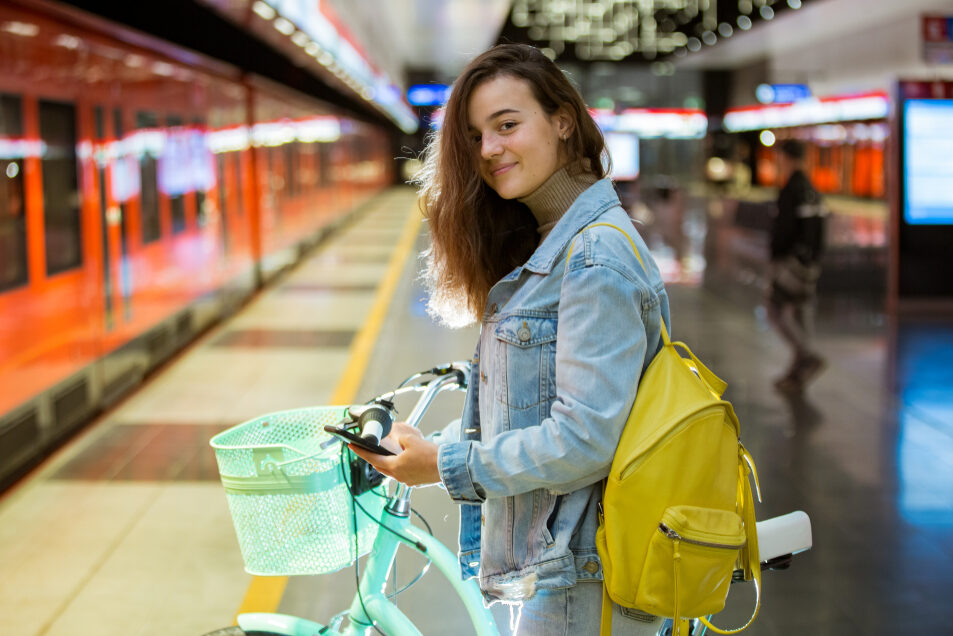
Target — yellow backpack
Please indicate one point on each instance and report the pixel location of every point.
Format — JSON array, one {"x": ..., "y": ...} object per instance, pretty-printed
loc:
[{"x": 677, "y": 511}]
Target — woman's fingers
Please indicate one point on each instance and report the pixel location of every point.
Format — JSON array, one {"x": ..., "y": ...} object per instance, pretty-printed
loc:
[
  {"x": 402, "y": 428},
  {"x": 380, "y": 462},
  {"x": 416, "y": 465},
  {"x": 390, "y": 443}
]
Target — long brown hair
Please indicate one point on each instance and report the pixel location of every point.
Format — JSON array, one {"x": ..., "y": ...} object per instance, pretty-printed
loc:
[{"x": 477, "y": 237}]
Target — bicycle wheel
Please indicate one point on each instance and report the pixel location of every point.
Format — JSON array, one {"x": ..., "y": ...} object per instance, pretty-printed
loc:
[{"x": 235, "y": 630}]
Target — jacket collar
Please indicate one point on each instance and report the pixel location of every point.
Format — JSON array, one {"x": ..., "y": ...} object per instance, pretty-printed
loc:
[{"x": 588, "y": 206}]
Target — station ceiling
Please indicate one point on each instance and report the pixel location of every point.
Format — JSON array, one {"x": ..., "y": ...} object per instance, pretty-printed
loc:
[
  {"x": 822, "y": 21},
  {"x": 443, "y": 35},
  {"x": 637, "y": 30},
  {"x": 438, "y": 35}
]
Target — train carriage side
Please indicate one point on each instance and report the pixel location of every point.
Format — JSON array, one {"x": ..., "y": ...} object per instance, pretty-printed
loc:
[{"x": 141, "y": 199}]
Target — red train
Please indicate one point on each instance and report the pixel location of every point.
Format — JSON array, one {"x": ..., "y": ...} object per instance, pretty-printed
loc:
[{"x": 144, "y": 193}]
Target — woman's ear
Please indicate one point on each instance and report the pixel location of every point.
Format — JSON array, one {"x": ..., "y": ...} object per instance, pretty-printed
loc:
[{"x": 564, "y": 123}]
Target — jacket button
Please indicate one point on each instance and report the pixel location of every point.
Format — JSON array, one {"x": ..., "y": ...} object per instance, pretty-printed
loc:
[
  {"x": 493, "y": 308},
  {"x": 523, "y": 333},
  {"x": 482, "y": 520},
  {"x": 483, "y": 376},
  {"x": 591, "y": 567}
]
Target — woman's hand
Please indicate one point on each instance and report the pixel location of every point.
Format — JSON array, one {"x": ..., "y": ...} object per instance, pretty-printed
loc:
[{"x": 415, "y": 461}]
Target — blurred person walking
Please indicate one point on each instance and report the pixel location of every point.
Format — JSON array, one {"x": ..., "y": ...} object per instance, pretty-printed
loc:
[
  {"x": 512, "y": 182},
  {"x": 797, "y": 240}
]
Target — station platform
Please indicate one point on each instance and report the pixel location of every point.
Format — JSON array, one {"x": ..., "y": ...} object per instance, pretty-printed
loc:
[{"x": 126, "y": 532}]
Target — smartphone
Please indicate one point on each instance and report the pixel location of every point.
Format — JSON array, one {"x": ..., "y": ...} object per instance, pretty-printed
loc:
[{"x": 350, "y": 438}]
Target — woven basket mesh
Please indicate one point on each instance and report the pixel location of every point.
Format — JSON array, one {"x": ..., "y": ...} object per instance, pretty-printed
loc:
[{"x": 290, "y": 507}]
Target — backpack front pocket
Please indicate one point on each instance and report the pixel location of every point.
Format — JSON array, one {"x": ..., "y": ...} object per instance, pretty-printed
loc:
[{"x": 690, "y": 562}]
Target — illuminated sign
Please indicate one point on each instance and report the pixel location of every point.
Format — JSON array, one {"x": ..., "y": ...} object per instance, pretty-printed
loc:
[
  {"x": 781, "y": 93},
  {"x": 806, "y": 112},
  {"x": 316, "y": 33},
  {"x": 21, "y": 148},
  {"x": 428, "y": 94},
  {"x": 624, "y": 152},
  {"x": 937, "y": 32},
  {"x": 649, "y": 123},
  {"x": 927, "y": 161}
]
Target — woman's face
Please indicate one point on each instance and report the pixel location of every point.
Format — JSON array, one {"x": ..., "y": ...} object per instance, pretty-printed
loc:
[{"x": 518, "y": 144}]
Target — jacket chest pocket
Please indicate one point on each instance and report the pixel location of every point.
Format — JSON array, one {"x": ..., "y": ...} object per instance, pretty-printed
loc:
[{"x": 525, "y": 360}]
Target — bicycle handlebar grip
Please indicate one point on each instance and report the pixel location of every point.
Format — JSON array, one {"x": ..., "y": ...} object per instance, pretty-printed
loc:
[{"x": 375, "y": 423}]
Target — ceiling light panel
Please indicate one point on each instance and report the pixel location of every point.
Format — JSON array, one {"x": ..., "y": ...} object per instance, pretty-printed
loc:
[{"x": 616, "y": 29}]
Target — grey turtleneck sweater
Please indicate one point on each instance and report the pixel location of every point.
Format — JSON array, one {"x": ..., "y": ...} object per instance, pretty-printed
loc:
[{"x": 550, "y": 201}]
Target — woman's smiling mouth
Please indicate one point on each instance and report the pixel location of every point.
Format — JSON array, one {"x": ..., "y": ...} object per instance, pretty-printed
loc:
[{"x": 497, "y": 171}]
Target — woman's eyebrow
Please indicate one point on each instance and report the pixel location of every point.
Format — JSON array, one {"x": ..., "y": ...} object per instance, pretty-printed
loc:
[{"x": 503, "y": 111}]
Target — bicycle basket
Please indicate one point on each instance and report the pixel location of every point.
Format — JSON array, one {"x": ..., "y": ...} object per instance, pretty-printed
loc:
[{"x": 286, "y": 492}]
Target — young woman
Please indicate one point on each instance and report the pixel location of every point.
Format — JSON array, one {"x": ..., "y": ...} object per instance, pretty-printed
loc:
[{"x": 570, "y": 320}]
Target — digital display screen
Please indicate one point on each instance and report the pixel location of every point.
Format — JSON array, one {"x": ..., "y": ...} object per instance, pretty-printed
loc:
[
  {"x": 928, "y": 161},
  {"x": 624, "y": 153}
]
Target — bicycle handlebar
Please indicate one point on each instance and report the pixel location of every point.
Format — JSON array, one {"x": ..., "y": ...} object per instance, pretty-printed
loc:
[{"x": 452, "y": 376}]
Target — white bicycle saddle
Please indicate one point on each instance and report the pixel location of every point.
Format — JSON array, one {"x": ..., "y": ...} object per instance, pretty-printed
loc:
[{"x": 787, "y": 534}]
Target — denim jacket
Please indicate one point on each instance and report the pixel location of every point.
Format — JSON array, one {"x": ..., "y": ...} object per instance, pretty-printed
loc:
[{"x": 555, "y": 373}]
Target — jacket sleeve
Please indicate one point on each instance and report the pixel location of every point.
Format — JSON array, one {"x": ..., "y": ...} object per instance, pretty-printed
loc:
[
  {"x": 449, "y": 433},
  {"x": 600, "y": 352}
]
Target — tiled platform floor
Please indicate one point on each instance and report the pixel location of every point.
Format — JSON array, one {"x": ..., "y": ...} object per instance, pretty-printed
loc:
[{"x": 127, "y": 531}]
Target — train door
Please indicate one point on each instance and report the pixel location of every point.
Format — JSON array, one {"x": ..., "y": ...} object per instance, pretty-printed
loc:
[
  {"x": 124, "y": 184},
  {"x": 172, "y": 174},
  {"x": 201, "y": 163},
  {"x": 13, "y": 240},
  {"x": 222, "y": 204},
  {"x": 99, "y": 114}
]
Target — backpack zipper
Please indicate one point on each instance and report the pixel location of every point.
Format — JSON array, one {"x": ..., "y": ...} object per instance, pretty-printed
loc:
[{"x": 671, "y": 534}]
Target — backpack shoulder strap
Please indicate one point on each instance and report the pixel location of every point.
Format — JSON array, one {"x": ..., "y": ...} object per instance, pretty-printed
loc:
[{"x": 665, "y": 336}]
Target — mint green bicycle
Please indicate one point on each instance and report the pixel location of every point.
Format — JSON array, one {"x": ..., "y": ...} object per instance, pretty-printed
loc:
[{"x": 303, "y": 504}]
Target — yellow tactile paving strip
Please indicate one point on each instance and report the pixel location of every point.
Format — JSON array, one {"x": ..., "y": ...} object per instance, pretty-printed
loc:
[
  {"x": 111, "y": 556},
  {"x": 264, "y": 594}
]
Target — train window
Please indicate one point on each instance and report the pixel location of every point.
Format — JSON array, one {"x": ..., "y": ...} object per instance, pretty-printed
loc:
[
  {"x": 291, "y": 174},
  {"x": 100, "y": 119},
  {"x": 324, "y": 164},
  {"x": 13, "y": 262},
  {"x": 149, "y": 184},
  {"x": 198, "y": 151},
  {"x": 61, "y": 196},
  {"x": 99, "y": 115},
  {"x": 175, "y": 168},
  {"x": 118, "y": 132},
  {"x": 222, "y": 208},
  {"x": 239, "y": 185}
]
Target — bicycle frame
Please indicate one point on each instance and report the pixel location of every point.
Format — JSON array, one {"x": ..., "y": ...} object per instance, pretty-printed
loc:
[
  {"x": 380, "y": 609},
  {"x": 371, "y": 596},
  {"x": 780, "y": 537}
]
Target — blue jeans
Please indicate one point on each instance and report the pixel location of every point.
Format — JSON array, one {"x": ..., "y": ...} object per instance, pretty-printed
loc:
[{"x": 577, "y": 611}]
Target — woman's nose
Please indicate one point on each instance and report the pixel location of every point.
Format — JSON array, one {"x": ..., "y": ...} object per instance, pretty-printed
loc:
[{"x": 490, "y": 146}]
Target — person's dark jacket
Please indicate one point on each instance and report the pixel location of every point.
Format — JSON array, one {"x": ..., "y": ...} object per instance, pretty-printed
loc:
[{"x": 798, "y": 227}]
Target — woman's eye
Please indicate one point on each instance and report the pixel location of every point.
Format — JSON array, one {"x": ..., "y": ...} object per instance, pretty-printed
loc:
[
  {"x": 476, "y": 139},
  {"x": 507, "y": 125}
]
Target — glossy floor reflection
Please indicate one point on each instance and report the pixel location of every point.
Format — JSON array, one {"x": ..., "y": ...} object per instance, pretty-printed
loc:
[
  {"x": 127, "y": 531},
  {"x": 867, "y": 451}
]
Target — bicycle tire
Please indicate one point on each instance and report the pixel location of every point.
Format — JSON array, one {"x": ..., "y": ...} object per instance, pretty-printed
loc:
[{"x": 234, "y": 630}]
